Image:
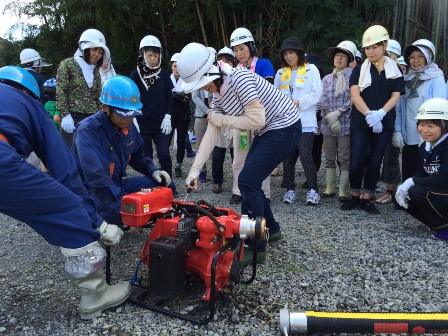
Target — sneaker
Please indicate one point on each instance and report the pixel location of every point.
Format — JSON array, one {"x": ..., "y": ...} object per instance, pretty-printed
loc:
[
  {"x": 385, "y": 198},
  {"x": 249, "y": 256},
  {"x": 440, "y": 235},
  {"x": 217, "y": 188},
  {"x": 202, "y": 176},
  {"x": 351, "y": 204},
  {"x": 289, "y": 197},
  {"x": 369, "y": 207},
  {"x": 312, "y": 197},
  {"x": 177, "y": 172},
  {"x": 192, "y": 154},
  {"x": 235, "y": 199}
]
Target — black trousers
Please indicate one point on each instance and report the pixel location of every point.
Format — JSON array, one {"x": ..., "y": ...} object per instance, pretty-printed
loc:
[
  {"x": 429, "y": 205},
  {"x": 219, "y": 155}
]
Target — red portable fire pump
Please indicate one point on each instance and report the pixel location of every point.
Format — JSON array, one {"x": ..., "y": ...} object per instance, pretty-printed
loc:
[{"x": 187, "y": 239}]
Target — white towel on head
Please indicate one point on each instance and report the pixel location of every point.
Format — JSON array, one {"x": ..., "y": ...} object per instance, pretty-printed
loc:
[{"x": 391, "y": 68}]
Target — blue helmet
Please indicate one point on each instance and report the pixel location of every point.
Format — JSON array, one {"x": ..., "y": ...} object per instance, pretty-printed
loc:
[
  {"x": 50, "y": 83},
  {"x": 20, "y": 76},
  {"x": 122, "y": 94}
]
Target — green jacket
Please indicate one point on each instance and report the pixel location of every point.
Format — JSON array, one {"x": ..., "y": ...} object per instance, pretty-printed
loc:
[
  {"x": 72, "y": 92},
  {"x": 50, "y": 106}
]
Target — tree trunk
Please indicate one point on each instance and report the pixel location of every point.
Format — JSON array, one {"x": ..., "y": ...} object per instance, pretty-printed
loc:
[{"x": 201, "y": 23}]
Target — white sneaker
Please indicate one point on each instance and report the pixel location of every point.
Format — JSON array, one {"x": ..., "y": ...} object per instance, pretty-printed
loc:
[
  {"x": 312, "y": 197},
  {"x": 289, "y": 197}
]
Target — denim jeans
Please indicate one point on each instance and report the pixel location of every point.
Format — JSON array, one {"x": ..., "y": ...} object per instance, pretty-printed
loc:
[
  {"x": 265, "y": 153},
  {"x": 162, "y": 142},
  {"x": 366, "y": 154}
]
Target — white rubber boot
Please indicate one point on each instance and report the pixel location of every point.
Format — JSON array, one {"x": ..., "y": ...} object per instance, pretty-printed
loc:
[
  {"x": 97, "y": 295},
  {"x": 330, "y": 175},
  {"x": 343, "y": 186}
]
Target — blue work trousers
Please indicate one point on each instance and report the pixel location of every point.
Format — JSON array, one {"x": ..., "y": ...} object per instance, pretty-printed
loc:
[
  {"x": 38, "y": 200},
  {"x": 265, "y": 153},
  {"x": 366, "y": 154}
]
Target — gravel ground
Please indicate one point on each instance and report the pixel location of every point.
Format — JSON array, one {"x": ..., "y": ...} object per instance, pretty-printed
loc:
[{"x": 329, "y": 260}]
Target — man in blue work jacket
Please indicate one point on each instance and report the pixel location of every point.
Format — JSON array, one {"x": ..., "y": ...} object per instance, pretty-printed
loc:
[
  {"x": 56, "y": 205},
  {"x": 107, "y": 142}
]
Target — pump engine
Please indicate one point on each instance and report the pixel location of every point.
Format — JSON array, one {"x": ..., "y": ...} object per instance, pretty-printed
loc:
[{"x": 188, "y": 238}]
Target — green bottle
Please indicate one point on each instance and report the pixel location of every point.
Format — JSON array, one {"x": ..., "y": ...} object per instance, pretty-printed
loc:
[{"x": 244, "y": 143}]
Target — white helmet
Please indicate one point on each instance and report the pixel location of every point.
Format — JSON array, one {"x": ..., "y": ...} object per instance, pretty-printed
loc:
[
  {"x": 417, "y": 45},
  {"x": 175, "y": 57},
  {"x": 93, "y": 38},
  {"x": 213, "y": 50},
  {"x": 401, "y": 61},
  {"x": 240, "y": 36},
  {"x": 358, "y": 54},
  {"x": 226, "y": 51},
  {"x": 196, "y": 66},
  {"x": 434, "y": 108},
  {"x": 394, "y": 46},
  {"x": 32, "y": 56},
  {"x": 346, "y": 46},
  {"x": 150, "y": 41}
]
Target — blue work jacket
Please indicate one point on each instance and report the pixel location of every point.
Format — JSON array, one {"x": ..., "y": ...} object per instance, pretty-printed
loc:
[{"x": 102, "y": 153}]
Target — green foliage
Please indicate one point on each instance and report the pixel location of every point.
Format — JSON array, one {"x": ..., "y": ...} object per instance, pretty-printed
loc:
[{"x": 318, "y": 24}]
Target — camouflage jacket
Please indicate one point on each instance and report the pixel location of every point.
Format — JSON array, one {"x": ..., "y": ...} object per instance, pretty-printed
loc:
[{"x": 72, "y": 92}]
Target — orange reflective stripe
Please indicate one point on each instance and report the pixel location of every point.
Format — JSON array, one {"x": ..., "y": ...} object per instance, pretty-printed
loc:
[
  {"x": 111, "y": 168},
  {"x": 2, "y": 137}
]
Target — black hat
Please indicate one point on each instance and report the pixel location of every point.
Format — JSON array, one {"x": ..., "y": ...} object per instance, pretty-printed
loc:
[
  {"x": 291, "y": 43},
  {"x": 314, "y": 59}
]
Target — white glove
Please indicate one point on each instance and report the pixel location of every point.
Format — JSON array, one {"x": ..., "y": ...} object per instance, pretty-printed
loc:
[
  {"x": 378, "y": 127},
  {"x": 402, "y": 194},
  {"x": 336, "y": 127},
  {"x": 375, "y": 116},
  {"x": 110, "y": 234},
  {"x": 228, "y": 134},
  {"x": 397, "y": 140},
  {"x": 166, "y": 124},
  {"x": 160, "y": 175},
  {"x": 332, "y": 117},
  {"x": 67, "y": 124}
]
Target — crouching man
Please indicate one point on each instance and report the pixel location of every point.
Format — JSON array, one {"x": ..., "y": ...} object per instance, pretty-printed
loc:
[
  {"x": 55, "y": 205},
  {"x": 107, "y": 142}
]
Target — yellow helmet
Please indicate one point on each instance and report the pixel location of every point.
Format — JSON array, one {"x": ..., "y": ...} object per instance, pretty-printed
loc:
[
  {"x": 373, "y": 35},
  {"x": 434, "y": 108}
]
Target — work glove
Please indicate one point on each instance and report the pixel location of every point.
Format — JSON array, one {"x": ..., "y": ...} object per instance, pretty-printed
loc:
[
  {"x": 332, "y": 117},
  {"x": 378, "y": 127},
  {"x": 228, "y": 134},
  {"x": 67, "y": 124},
  {"x": 166, "y": 124},
  {"x": 402, "y": 194},
  {"x": 375, "y": 116},
  {"x": 110, "y": 234},
  {"x": 336, "y": 127},
  {"x": 397, "y": 140},
  {"x": 160, "y": 175}
]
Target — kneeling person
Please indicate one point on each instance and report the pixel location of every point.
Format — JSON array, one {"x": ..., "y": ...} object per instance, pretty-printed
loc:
[
  {"x": 107, "y": 142},
  {"x": 425, "y": 195}
]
